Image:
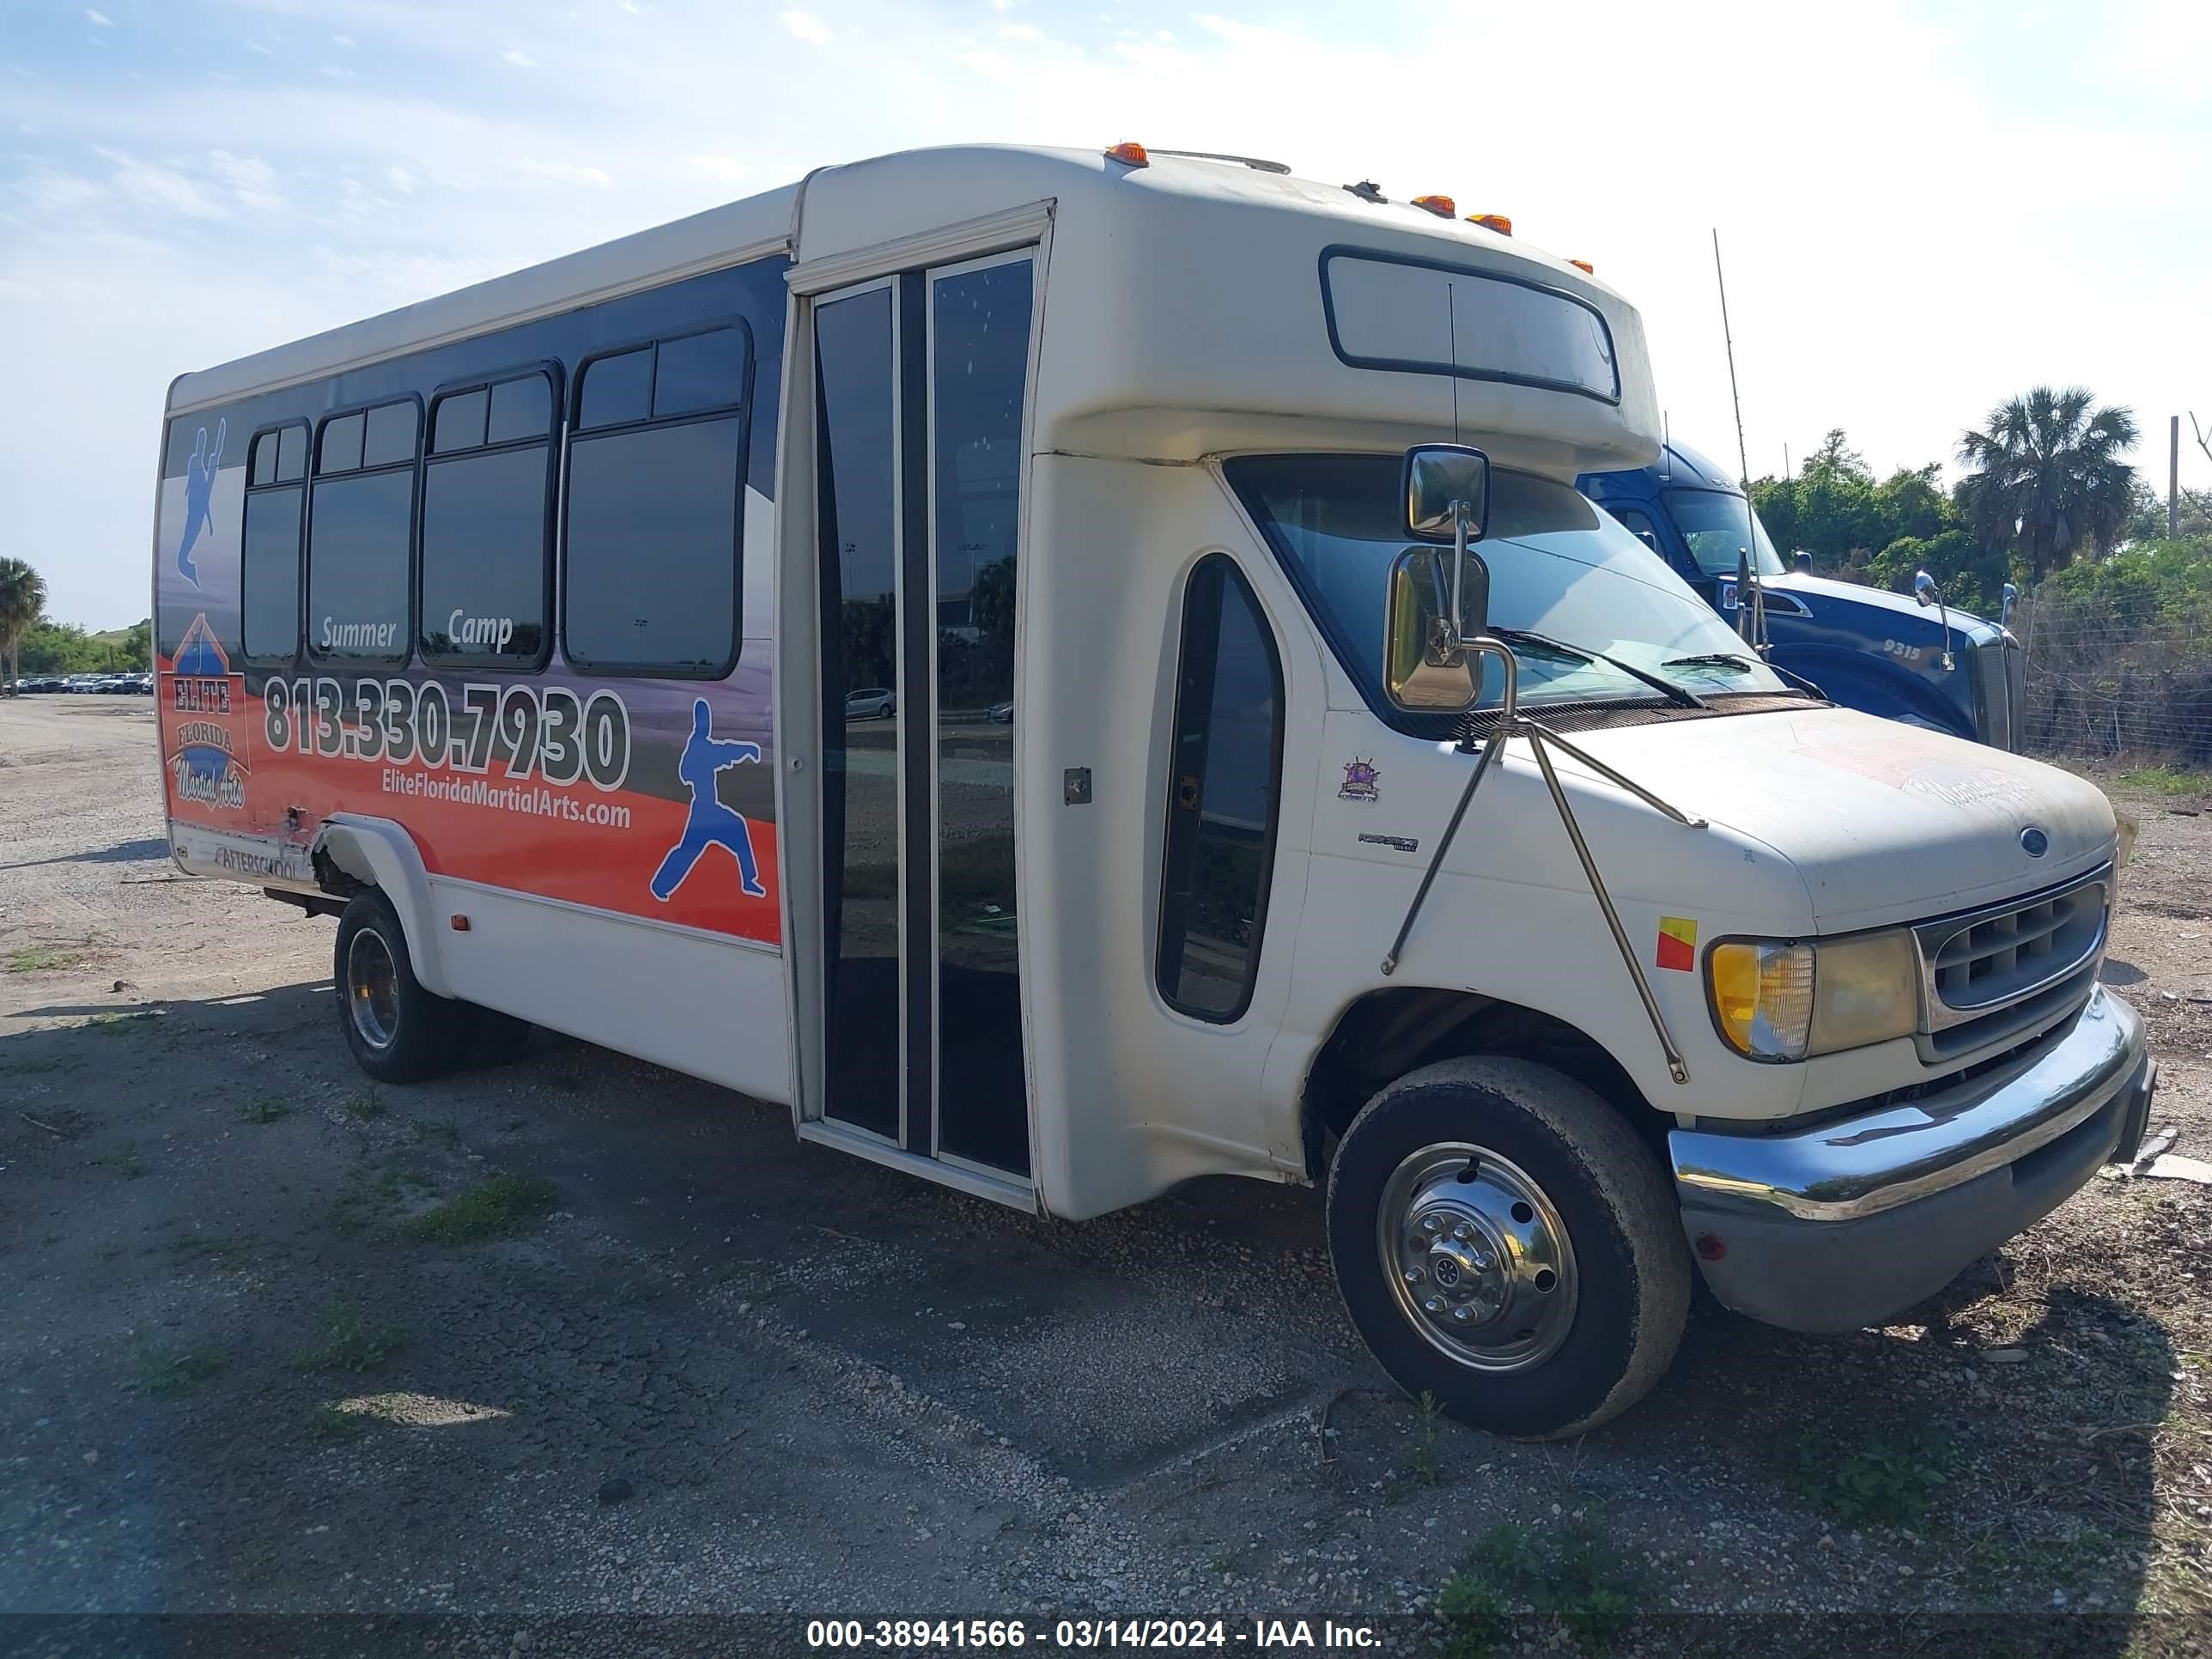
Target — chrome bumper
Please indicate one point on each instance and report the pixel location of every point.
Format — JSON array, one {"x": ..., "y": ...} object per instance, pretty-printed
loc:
[{"x": 1860, "y": 1166}]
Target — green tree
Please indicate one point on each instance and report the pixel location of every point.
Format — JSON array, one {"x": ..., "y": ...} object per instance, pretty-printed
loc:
[
  {"x": 22, "y": 601},
  {"x": 2147, "y": 515},
  {"x": 2046, "y": 477},
  {"x": 1970, "y": 574}
]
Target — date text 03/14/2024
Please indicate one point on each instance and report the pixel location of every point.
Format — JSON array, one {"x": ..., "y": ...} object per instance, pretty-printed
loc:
[{"x": 1082, "y": 1633}]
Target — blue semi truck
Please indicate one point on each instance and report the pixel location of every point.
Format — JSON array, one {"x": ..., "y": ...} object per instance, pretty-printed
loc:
[{"x": 1905, "y": 658}]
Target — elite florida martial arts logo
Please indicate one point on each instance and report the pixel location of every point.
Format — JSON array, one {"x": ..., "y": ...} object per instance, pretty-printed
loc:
[
  {"x": 203, "y": 762},
  {"x": 710, "y": 823}
]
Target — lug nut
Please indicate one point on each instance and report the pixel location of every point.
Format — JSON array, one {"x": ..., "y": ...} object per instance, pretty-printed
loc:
[
  {"x": 1412, "y": 1275},
  {"x": 1463, "y": 1314},
  {"x": 1430, "y": 1224},
  {"x": 1462, "y": 1232},
  {"x": 1435, "y": 1304}
]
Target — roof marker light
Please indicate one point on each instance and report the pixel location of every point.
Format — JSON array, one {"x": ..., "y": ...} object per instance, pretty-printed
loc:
[
  {"x": 1583, "y": 266},
  {"x": 1442, "y": 206},
  {"x": 1496, "y": 221},
  {"x": 1129, "y": 155}
]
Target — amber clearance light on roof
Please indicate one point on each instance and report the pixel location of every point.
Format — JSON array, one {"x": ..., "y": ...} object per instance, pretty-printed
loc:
[
  {"x": 1442, "y": 206},
  {"x": 1129, "y": 155},
  {"x": 1583, "y": 266},
  {"x": 1496, "y": 221}
]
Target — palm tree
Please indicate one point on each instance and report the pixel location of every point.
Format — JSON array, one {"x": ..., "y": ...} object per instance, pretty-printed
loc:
[
  {"x": 22, "y": 602},
  {"x": 2047, "y": 475}
]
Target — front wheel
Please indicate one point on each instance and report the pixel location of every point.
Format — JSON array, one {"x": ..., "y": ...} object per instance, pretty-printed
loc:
[{"x": 1505, "y": 1244}]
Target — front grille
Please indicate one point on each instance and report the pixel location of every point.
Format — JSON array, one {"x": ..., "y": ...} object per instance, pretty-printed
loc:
[
  {"x": 1990, "y": 973},
  {"x": 1993, "y": 699}
]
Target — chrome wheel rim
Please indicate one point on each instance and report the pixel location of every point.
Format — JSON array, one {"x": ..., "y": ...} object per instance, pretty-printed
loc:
[
  {"x": 1478, "y": 1257},
  {"x": 372, "y": 989}
]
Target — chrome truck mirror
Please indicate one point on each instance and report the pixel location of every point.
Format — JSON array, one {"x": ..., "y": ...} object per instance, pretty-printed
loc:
[
  {"x": 1925, "y": 590},
  {"x": 2011, "y": 599},
  {"x": 1426, "y": 665},
  {"x": 1441, "y": 481}
]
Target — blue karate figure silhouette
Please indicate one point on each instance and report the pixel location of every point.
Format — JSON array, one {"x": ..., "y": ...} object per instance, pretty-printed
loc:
[
  {"x": 711, "y": 824},
  {"x": 199, "y": 487}
]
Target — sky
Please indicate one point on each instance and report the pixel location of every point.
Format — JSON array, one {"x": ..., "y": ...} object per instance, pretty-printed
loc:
[{"x": 1924, "y": 209}]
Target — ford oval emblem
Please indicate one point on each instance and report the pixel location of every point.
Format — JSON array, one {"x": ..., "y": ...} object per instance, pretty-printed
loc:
[{"x": 2034, "y": 842}]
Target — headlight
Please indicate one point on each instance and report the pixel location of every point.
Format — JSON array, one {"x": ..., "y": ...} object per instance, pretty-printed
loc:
[{"x": 1777, "y": 1001}]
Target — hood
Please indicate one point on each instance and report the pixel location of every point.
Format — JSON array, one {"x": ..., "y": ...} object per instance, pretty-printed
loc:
[
  {"x": 1886, "y": 822},
  {"x": 1965, "y": 623}
]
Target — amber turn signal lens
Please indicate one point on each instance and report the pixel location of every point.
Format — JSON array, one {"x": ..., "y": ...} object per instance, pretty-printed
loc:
[
  {"x": 1442, "y": 206},
  {"x": 1129, "y": 155}
]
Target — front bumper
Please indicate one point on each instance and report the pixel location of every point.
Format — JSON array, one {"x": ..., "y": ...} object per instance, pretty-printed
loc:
[{"x": 1844, "y": 1224}]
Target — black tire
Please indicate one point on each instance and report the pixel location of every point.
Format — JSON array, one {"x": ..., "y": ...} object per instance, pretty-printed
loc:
[
  {"x": 399, "y": 1032},
  {"x": 1630, "y": 1267}
]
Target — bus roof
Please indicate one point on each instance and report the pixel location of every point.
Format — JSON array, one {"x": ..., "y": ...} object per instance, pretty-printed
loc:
[{"x": 1198, "y": 278}]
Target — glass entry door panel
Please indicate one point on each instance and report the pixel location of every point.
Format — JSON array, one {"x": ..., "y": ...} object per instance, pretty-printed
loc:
[{"x": 921, "y": 386}]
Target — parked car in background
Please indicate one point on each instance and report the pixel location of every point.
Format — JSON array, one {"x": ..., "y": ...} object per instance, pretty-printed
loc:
[
  {"x": 1906, "y": 659},
  {"x": 871, "y": 703}
]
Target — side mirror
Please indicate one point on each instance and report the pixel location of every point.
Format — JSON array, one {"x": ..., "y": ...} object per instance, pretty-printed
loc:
[
  {"x": 1804, "y": 562},
  {"x": 1443, "y": 481},
  {"x": 1650, "y": 539},
  {"x": 2011, "y": 598},
  {"x": 1426, "y": 666},
  {"x": 1923, "y": 587}
]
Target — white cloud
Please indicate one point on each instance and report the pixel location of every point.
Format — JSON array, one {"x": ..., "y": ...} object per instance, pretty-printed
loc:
[
  {"x": 345, "y": 41},
  {"x": 1020, "y": 31},
  {"x": 564, "y": 172},
  {"x": 400, "y": 179},
  {"x": 99, "y": 18},
  {"x": 151, "y": 184},
  {"x": 252, "y": 181},
  {"x": 255, "y": 46},
  {"x": 723, "y": 169},
  {"x": 630, "y": 6},
  {"x": 520, "y": 58},
  {"x": 805, "y": 27}
]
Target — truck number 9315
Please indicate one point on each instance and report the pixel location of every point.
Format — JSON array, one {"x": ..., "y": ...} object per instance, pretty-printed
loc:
[{"x": 548, "y": 731}]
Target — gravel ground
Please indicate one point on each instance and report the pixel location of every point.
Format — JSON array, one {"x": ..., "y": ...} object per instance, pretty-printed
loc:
[{"x": 711, "y": 1371}]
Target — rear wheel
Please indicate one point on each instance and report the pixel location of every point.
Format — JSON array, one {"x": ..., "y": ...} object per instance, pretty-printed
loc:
[
  {"x": 1505, "y": 1244},
  {"x": 398, "y": 1031}
]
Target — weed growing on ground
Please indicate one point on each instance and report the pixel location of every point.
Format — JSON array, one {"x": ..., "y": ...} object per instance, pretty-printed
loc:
[
  {"x": 362, "y": 1106},
  {"x": 172, "y": 1375},
  {"x": 351, "y": 1343},
  {"x": 40, "y": 959},
  {"x": 331, "y": 1421},
  {"x": 1567, "y": 1583},
  {"x": 1884, "y": 1483},
  {"x": 1426, "y": 1462},
  {"x": 2168, "y": 781},
  {"x": 264, "y": 1109},
  {"x": 445, "y": 1131},
  {"x": 504, "y": 1205}
]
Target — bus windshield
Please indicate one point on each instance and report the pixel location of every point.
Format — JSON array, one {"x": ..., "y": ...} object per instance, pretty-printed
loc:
[
  {"x": 1712, "y": 521},
  {"x": 1559, "y": 566}
]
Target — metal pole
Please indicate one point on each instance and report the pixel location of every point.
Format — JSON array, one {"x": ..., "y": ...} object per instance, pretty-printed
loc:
[{"x": 2173, "y": 479}]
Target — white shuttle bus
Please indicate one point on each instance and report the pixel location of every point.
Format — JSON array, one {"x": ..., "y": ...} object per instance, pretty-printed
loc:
[{"x": 995, "y": 649}]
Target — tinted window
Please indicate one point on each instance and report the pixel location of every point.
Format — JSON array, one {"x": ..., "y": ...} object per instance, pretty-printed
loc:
[
  {"x": 484, "y": 556},
  {"x": 292, "y": 454},
  {"x": 652, "y": 546},
  {"x": 617, "y": 389},
  {"x": 261, "y": 469},
  {"x": 341, "y": 450},
  {"x": 1395, "y": 314},
  {"x": 457, "y": 422},
  {"x": 357, "y": 566},
  {"x": 521, "y": 409},
  {"x": 391, "y": 436},
  {"x": 699, "y": 372},
  {"x": 270, "y": 573},
  {"x": 1719, "y": 525},
  {"x": 1222, "y": 792}
]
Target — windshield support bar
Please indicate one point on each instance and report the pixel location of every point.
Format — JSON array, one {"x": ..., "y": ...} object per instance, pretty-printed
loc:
[{"x": 1512, "y": 723}]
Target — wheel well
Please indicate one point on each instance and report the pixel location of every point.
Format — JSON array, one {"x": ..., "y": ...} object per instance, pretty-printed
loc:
[{"x": 1388, "y": 1033}]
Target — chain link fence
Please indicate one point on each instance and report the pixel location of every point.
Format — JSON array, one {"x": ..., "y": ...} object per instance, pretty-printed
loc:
[{"x": 2102, "y": 682}]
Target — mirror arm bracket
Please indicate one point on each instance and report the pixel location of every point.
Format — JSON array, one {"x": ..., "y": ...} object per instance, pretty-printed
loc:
[{"x": 1512, "y": 723}]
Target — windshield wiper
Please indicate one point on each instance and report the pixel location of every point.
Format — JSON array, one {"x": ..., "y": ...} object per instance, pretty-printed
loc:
[
  {"x": 1729, "y": 659},
  {"x": 1680, "y": 695}
]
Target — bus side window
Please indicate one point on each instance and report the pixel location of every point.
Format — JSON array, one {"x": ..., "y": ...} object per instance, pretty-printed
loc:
[
  {"x": 360, "y": 537},
  {"x": 488, "y": 524},
  {"x": 269, "y": 553},
  {"x": 653, "y": 543},
  {"x": 1224, "y": 788}
]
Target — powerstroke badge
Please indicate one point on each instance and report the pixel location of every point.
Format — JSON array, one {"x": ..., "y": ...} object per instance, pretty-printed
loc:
[{"x": 1678, "y": 944}]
